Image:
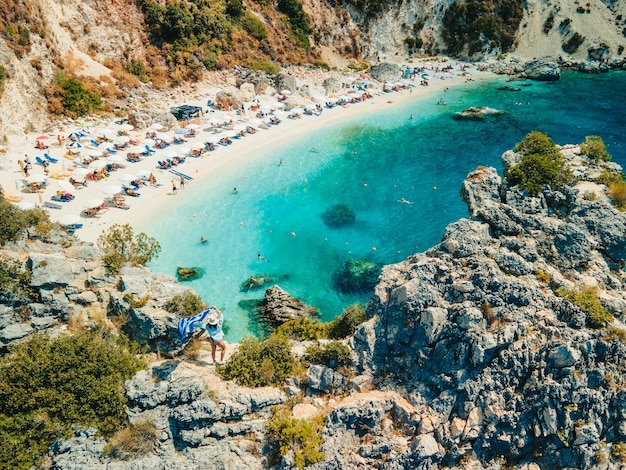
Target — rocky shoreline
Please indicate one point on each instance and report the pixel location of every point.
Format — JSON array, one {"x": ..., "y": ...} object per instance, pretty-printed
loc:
[{"x": 469, "y": 356}]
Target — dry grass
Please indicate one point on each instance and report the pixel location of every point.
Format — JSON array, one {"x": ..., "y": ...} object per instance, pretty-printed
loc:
[
  {"x": 617, "y": 192},
  {"x": 136, "y": 440},
  {"x": 193, "y": 349}
]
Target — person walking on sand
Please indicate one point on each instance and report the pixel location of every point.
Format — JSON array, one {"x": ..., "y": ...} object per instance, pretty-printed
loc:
[
  {"x": 215, "y": 320},
  {"x": 173, "y": 187},
  {"x": 182, "y": 182}
]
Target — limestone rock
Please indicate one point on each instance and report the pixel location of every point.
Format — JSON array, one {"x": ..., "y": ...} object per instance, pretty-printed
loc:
[
  {"x": 386, "y": 72},
  {"x": 278, "y": 307},
  {"x": 544, "y": 69},
  {"x": 285, "y": 82}
]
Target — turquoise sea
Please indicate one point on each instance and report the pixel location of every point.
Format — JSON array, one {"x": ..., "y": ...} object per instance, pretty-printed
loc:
[{"x": 369, "y": 164}]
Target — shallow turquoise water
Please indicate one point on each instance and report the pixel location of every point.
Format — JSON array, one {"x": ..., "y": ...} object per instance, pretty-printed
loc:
[{"x": 368, "y": 164}]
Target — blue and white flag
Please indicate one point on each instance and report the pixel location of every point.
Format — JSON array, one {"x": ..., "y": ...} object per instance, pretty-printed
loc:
[{"x": 185, "y": 325}]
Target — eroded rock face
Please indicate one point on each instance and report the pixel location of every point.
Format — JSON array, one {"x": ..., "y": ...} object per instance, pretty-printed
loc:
[{"x": 473, "y": 329}]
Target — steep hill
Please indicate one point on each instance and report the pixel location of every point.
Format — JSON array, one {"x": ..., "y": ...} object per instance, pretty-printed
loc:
[{"x": 118, "y": 49}]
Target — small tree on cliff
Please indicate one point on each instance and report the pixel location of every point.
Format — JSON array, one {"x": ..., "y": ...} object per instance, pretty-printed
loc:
[
  {"x": 542, "y": 164},
  {"x": 120, "y": 247}
]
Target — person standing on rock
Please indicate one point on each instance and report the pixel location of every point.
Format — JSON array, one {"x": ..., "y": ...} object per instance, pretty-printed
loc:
[{"x": 215, "y": 320}]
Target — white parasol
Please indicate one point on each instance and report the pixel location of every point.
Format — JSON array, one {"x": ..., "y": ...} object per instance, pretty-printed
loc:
[
  {"x": 148, "y": 142},
  {"x": 66, "y": 186},
  {"x": 92, "y": 152},
  {"x": 127, "y": 127},
  {"x": 193, "y": 126},
  {"x": 37, "y": 178},
  {"x": 25, "y": 205},
  {"x": 97, "y": 164},
  {"x": 143, "y": 173},
  {"x": 170, "y": 154},
  {"x": 128, "y": 177},
  {"x": 156, "y": 126},
  {"x": 70, "y": 219},
  {"x": 80, "y": 172},
  {"x": 111, "y": 190},
  {"x": 91, "y": 203},
  {"x": 114, "y": 159},
  {"x": 123, "y": 139}
]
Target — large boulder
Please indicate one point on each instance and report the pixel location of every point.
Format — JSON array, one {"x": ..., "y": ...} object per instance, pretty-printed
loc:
[
  {"x": 386, "y": 72},
  {"x": 226, "y": 101},
  {"x": 544, "y": 69},
  {"x": 144, "y": 118},
  {"x": 285, "y": 82},
  {"x": 278, "y": 307}
]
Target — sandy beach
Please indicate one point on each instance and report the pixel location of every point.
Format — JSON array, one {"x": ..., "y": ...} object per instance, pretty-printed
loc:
[{"x": 160, "y": 197}]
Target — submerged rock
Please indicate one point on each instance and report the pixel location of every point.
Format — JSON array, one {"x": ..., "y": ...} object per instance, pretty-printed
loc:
[
  {"x": 356, "y": 275},
  {"x": 189, "y": 274},
  {"x": 338, "y": 216},
  {"x": 258, "y": 281},
  {"x": 476, "y": 113}
]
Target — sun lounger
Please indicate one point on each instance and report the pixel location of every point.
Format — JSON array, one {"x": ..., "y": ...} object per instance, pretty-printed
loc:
[
  {"x": 149, "y": 150},
  {"x": 110, "y": 150},
  {"x": 94, "y": 143},
  {"x": 12, "y": 197},
  {"x": 49, "y": 158},
  {"x": 52, "y": 205},
  {"x": 39, "y": 160}
]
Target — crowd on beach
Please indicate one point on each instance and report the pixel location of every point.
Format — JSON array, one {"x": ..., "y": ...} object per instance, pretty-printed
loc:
[{"x": 113, "y": 162}]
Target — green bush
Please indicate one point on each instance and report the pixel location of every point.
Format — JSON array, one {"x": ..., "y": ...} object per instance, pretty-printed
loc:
[
  {"x": 260, "y": 363},
  {"x": 298, "y": 20},
  {"x": 302, "y": 437},
  {"x": 345, "y": 324},
  {"x": 76, "y": 100},
  {"x": 594, "y": 147},
  {"x": 3, "y": 77},
  {"x": 587, "y": 300},
  {"x": 482, "y": 23},
  {"x": 541, "y": 164},
  {"x": 47, "y": 385},
  {"x": 185, "y": 305},
  {"x": 14, "y": 283},
  {"x": 303, "y": 329},
  {"x": 120, "y": 247},
  {"x": 573, "y": 43},
  {"x": 14, "y": 221},
  {"x": 332, "y": 354},
  {"x": 266, "y": 66}
]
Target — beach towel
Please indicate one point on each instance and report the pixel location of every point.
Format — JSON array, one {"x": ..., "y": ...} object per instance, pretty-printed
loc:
[{"x": 185, "y": 325}]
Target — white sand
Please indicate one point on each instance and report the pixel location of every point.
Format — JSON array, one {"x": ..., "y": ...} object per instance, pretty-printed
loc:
[{"x": 160, "y": 199}]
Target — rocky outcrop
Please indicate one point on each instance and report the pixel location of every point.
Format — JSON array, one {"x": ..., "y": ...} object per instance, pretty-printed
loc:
[
  {"x": 545, "y": 69},
  {"x": 493, "y": 361},
  {"x": 386, "y": 72},
  {"x": 196, "y": 422},
  {"x": 278, "y": 307}
]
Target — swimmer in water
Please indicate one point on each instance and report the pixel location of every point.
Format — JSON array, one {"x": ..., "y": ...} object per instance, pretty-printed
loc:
[{"x": 404, "y": 201}]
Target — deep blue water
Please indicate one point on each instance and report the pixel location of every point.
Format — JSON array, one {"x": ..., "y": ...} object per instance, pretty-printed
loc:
[{"x": 369, "y": 164}]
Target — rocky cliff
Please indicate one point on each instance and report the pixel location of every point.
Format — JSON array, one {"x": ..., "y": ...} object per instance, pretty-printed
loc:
[
  {"x": 107, "y": 46},
  {"x": 474, "y": 354}
]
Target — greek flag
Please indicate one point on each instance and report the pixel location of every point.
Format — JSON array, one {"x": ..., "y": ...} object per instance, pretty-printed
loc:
[{"x": 185, "y": 325}]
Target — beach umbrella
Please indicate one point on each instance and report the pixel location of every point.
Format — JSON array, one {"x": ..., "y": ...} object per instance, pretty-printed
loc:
[
  {"x": 111, "y": 190},
  {"x": 278, "y": 112},
  {"x": 103, "y": 131},
  {"x": 80, "y": 171},
  {"x": 128, "y": 177},
  {"x": 75, "y": 144},
  {"x": 114, "y": 159},
  {"x": 170, "y": 154},
  {"x": 66, "y": 186},
  {"x": 193, "y": 126},
  {"x": 127, "y": 127},
  {"x": 164, "y": 137},
  {"x": 42, "y": 137},
  {"x": 180, "y": 131},
  {"x": 156, "y": 126},
  {"x": 149, "y": 142},
  {"x": 143, "y": 173},
  {"x": 97, "y": 164},
  {"x": 37, "y": 178},
  {"x": 69, "y": 219},
  {"x": 124, "y": 139},
  {"x": 92, "y": 152},
  {"x": 183, "y": 151},
  {"x": 25, "y": 205},
  {"x": 212, "y": 139},
  {"x": 90, "y": 203}
]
